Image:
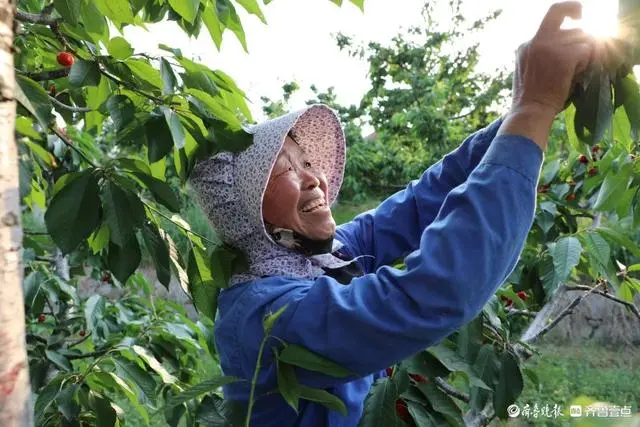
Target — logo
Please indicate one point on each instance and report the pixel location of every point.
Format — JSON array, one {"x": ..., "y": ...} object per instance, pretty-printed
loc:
[
  {"x": 513, "y": 411},
  {"x": 575, "y": 411}
]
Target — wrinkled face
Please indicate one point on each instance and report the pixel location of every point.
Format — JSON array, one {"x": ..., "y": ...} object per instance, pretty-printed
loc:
[{"x": 296, "y": 197}]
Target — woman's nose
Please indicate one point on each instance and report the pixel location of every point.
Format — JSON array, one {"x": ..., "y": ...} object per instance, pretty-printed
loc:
[{"x": 309, "y": 179}]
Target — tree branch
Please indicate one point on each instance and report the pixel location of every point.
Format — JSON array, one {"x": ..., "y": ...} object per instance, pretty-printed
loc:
[
  {"x": 71, "y": 108},
  {"x": 35, "y": 18},
  {"x": 567, "y": 311},
  {"x": 147, "y": 204},
  {"x": 46, "y": 75},
  {"x": 526, "y": 313},
  {"x": 130, "y": 87},
  {"x": 69, "y": 144},
  {"x": 451, "y": 391},
  {"x": 482, "y": 418},
  {"x": 80, "y": 341},
  {"x": 97, "y": 353},
  {"x": 631, "y": 306}
]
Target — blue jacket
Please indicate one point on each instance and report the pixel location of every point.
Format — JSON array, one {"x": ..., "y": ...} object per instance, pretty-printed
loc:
[{"x": 460, "y": 229}]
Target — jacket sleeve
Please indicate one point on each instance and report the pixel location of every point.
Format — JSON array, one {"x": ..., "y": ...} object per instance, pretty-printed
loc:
[
  {"x": 382, "y": 237},
  {"x": 462, "y": 257}
]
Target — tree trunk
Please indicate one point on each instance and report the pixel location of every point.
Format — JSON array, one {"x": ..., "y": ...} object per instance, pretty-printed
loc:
[{"x": 14, "y": 368}]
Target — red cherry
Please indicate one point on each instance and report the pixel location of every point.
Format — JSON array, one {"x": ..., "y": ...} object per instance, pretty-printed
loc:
[
  {"x": 418, "y": 378},
  {"x": 595, "y": 148},
  {"x": 41, "y": 318},
  {"x": 82, "y": 332},
  {"x": 583, "y": 159},
  {"x": 503, "y": 298},
  {"x": 509, "y": 302},
  {"x": 389, "y": 371},
  {"x": 65, "y": 59},
  {"x": 570, "y": 197},
  {"x": 523, "y": 295},
  {"x": 593, "y": 171},
  {"x": 402, "y": 410}
]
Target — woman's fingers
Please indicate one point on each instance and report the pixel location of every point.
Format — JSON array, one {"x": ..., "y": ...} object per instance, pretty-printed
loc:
[
  {"x": 556, "y": 15},
  {"x": 584, "y": 55}
]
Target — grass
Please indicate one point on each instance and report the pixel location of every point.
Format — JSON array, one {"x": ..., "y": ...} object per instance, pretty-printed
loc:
[{"x": 589, "y": 372}]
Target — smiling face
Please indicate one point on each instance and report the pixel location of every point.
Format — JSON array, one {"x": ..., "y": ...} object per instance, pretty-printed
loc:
[{"x": 296, "y": 197}]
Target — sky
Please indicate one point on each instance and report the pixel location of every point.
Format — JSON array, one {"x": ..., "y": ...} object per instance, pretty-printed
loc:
[{"x": 298, "y": 42}]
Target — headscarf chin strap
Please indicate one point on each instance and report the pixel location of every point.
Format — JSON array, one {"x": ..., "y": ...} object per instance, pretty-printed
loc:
[{"x": 294, "y": 240}]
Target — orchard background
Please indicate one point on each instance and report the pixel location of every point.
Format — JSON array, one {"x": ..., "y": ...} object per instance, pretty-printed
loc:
[{"x": 98, "y": 141}]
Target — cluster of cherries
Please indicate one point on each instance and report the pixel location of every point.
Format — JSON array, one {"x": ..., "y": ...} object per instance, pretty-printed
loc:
[
  {"x": 596, "y": 153},
  {"x": 401, "y": 406},
  {"x": 509, "y": 302}
]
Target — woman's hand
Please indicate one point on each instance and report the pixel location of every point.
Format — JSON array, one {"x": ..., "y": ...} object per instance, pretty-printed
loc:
[{"x": 545, "y": 71}]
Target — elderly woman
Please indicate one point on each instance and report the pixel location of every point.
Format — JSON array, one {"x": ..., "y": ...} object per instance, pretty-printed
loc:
[{"x": 460, "y": 229}]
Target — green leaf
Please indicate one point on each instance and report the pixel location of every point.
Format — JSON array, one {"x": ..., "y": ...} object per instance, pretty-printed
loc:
[
  {"x": 124, "y": 260},
  {"x": 379, "y": 406},
  {"x": 229, "y": 17},
  {"x": 96, "y": 96},
  {"x": 626, "y": 291},
  {"x": 150, "y": 359},
  {"x": 566, "y": 255},
  {"x": 124, "y": 213},
  {"x": 509, "y": 385},
  {"x": 631, "y": 101},
  {"x": 324, "y": 398},
  {"x": 122, "y": 110},
  {"x": 119, "y": 11},
  {"x": 47, "y": 395},
  {"x": 270, "y": 319},
  {"x": 288, "y": 385},
  {"x": 427, "y": 365},
  {"x": 168, "y": 77},
  {"x": 74, "y": 212},
  {"x": 486, "y": 365},
  {"x": 612, "y": 190},
  {"x": 34, "y": 99},
  {"x": 84, "y": 73},
  {"x": 597, "y": 247},
  {"x": 161, "y": 191},
  {"x": 39, "y": 151},
  {"x": 455, "y": 363},
  {"x": 594, "y": 109},
  {"x": 442, "y": 403},
  {"x": 59, "y": 360},
  {"x": 145, "y": 74},
  {"x": 215, "y": 106},
  {"x": 469, "y": 339},
  {"x": 213, "y": 24},
  {"x": 159, "y": 253},
  {"x": 94, "y": 311},
  {"x": 175, "y": 126},
  {"x": 105, "y": 413},
  {"x": 136, "y": 375},
  {"x": 619, "y": 238},
  {"x": 569, "y": 117},
  {"x": 94, "y": 21},
  {"x": 359, "y": 4},
  {"x": 203, "y": 291},
  {"x": 199, "y": 389},
  {"x": 252, "y": 7},
  {"x": 303, "y": 358},
  {"x": 419, "y": 414},
  {"x": 188, "y": 9},
  {"x": 34, "y": 293},
  {"x": 226, "y": 261},
  {"x": 69, "y": 9},
  {"x": 119, "y": 48}
]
